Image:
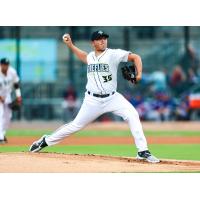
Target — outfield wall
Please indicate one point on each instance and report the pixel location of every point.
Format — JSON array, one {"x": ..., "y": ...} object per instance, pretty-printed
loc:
[{"x": 52, "y": 125}]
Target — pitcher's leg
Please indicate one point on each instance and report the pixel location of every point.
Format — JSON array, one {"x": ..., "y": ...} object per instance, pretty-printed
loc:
[
  {"x": 129, "y": 113},
  {"x": 121, "y": 107},
  {"x": 89, "y": 112},
  {"x": 132, "y": 117}
]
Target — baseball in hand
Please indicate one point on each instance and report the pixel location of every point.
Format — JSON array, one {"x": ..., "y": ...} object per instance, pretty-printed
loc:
[{"x": 65, "y": 37}]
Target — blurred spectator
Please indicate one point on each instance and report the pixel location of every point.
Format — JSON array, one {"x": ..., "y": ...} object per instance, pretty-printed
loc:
[
  {"x": 70, "y": 103},
  {"x": 167, "y": 106},
  {"x": 139, "y": 103},
  {"x": 193, "y": 78},
  {"x": 177, "y": 80},
  {"x": 161, "y": 107},
  {"x": 107, "y": 117},
  {"x": 190, "y": 61},
  {"x": 159, "y": 81},
  {"x": 182, "y": 109}
]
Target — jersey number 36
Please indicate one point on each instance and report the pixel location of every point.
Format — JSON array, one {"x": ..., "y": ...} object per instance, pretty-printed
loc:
[{"x": 107, "y": 78}]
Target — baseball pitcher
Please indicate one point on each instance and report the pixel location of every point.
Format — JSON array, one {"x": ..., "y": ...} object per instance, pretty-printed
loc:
[
  {"x": 101, "y": 94},
  {"x": 8, "y": 80}
]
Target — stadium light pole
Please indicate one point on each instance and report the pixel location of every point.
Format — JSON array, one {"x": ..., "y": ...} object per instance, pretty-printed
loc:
[
  {"x": 18, "y": 63},
  {"x": 186, "y": 37},
  {"x": 126, "y": 38},
  {"x": 71, "y": 58},
  {"x": 17, "y": 36}
]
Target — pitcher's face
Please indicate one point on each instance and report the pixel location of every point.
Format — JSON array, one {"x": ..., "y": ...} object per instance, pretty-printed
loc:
[{"x": 100, "y": 44}]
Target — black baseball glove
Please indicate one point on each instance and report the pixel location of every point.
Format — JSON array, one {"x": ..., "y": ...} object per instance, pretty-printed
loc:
[
  {"x": 129, "y": 73},
  {"x": 15, "y": 105}
]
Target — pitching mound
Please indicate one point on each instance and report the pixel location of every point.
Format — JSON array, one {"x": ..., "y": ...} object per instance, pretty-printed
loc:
[{"x": 52, "y": 162}]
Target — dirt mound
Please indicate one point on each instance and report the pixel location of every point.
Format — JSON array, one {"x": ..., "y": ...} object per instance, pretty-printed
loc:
[{"x": 53, "y": 162}]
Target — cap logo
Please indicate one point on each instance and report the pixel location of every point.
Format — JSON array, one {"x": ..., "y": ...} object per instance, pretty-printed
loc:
[{"x": 100, "y": 32}]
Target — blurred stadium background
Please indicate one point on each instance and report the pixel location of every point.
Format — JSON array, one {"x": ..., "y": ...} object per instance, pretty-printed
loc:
[{"x": 53, "y": 80}]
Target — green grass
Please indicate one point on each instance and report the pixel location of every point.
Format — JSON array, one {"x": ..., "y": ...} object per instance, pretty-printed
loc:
[
  {"x": 105, "y": 133},
  {"x": 179, "y": 152},
  {"x": 174, "y": 151}
]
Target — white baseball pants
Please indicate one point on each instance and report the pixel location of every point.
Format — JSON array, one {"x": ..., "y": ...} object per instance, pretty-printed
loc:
[
  {"x": 92, "y": 108},
  {"x": 5, "y": 117}
]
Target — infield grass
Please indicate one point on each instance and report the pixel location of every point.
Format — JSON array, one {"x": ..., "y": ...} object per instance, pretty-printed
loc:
[
  {"x": 99, "y": 133},
  {"x": 173, "y": 151}
]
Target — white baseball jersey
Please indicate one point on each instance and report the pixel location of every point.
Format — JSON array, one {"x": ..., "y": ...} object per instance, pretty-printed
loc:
[
  {"x": 102, "y": 79},
  {"x": 102, "y": 70},
  {"x": 7, "y": 82}
]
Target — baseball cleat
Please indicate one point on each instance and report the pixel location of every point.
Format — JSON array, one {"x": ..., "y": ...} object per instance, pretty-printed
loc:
[
  {"x": 4, "y": 141},
  {"x": 38, "y": 145},
  {"x": 146, "y": 155}
]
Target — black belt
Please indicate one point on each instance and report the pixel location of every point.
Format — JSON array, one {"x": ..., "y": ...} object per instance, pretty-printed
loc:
[{"x": 100, "y": 95}]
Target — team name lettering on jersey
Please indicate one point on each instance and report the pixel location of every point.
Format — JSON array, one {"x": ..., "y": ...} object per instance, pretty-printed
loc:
[
  {"x": 98, "y": 68},
  {"x": 5, "y": 83}
]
